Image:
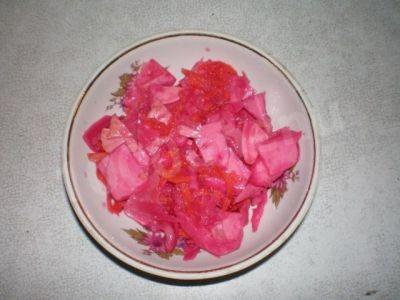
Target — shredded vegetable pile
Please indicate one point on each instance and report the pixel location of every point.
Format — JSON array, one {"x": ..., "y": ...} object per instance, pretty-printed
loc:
[{"x": 189, "y": 160}]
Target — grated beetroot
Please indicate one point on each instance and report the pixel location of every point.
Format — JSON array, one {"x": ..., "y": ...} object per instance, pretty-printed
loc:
[{"x": 188, "y": 160}]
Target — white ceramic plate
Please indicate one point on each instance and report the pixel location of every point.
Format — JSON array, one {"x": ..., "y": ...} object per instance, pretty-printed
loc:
[{"x": 286, "y": 104}]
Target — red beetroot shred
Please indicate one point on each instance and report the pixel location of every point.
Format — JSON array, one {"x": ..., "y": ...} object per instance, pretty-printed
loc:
[{"x": 187, "y": 160}]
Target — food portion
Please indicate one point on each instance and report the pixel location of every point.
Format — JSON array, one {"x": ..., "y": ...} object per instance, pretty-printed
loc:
[{"x": 189, "y": 160}]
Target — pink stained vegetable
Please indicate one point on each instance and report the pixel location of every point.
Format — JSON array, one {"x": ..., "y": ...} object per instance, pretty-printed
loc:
[
  {"x": 235, "y": 165},
  {"x": 114, "y": 136},
  {"x": 169, "y": 235},
  {"x": 93, "y": 133},
  {"x": 146, "y": 212},
  {"x": 102, "y": 165},
  {"x": 119, "y": 134},
  {"x": 186, "y": 160},
  {"x": 255, "y": 104},
  {"x": 193, "y": 158},
  {"x": 123, "y": 173},
  {"x": 230, "y": 129},
  {"x": 280, "y": 152},
  {"x": 260, "y": 175},
  {"x": 240, "y": 88},
  {"x": 214, "y": 183},
  {"x": 252, "y": 137},
  {"x": 258, "y": 211},
  {"x": 152, "y": 73},
  {"x": 223, "y": 237},
  {"x": 244, "y": 211},
  {"x": 159, "y": 112},
  {"x": 212, "y": 144},
  {"x": 190, "y": 251},
  {"x": 188, "y": 132},
  {"x": 249, "y": 192},
  {"x": 151, "y": 76},
  {"x": 165, "y": 94}
]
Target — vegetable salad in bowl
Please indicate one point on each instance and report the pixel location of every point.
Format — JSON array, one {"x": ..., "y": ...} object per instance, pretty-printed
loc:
[{"x": 188, "y": 160}]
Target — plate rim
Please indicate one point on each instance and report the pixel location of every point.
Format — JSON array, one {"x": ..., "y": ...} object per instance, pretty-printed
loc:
[{"x": 192, "y": 275}]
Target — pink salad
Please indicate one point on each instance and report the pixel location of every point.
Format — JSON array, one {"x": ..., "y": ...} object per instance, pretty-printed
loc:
[{"x": 188, "y": 160}]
